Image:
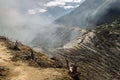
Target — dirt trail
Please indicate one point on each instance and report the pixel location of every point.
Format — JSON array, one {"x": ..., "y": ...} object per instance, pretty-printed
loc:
[
  {"x": 21, "y": 71},
  {"x": 5, "y": 55}
]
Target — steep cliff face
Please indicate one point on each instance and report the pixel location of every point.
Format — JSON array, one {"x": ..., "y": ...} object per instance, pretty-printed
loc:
[{"x": 97, "y": 52}]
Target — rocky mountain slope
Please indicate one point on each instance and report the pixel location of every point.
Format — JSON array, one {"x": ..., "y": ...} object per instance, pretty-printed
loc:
[
  {"x": 96, "y": 52},
  {"x": 19, "y": 62}
]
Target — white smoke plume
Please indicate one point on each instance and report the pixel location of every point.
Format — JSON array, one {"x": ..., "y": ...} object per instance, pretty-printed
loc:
[{"x": 19, "y": 25}]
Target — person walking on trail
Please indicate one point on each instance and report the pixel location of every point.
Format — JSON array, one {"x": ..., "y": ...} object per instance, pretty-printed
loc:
[
  {"x": 72, "y": 68},
  {"x": 73, "y": 71}
]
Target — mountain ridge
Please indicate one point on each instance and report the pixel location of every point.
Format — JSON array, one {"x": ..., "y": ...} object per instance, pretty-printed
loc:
[{"x": 88, "y": 14}]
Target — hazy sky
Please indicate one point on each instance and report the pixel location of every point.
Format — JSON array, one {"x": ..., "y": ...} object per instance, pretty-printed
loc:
[{"x": 51, "y": 8}]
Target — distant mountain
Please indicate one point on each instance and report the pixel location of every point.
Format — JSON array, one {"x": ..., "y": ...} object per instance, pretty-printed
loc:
[{"x": 91, "y": 12}]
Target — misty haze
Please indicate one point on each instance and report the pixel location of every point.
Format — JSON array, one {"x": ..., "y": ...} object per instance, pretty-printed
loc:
[{"x": 59, "y": 40}]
